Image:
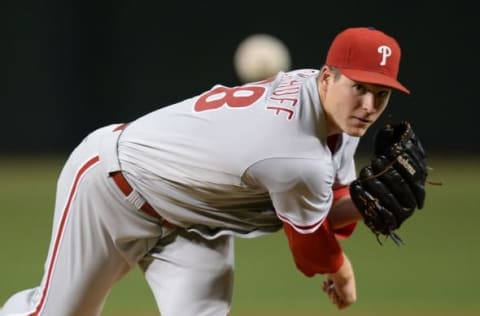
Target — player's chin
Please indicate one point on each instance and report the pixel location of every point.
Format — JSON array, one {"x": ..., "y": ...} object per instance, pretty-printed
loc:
[
  {"x": 356, "y": 131},
  {"x": 357, "y": 127}
]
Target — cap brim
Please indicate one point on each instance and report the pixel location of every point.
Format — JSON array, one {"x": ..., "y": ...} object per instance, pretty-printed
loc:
[{"x": 373, "y": 78}]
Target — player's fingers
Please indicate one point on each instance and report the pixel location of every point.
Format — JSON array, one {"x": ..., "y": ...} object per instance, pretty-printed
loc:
[
  {"x": 329, "y": 288},
  {"x": 337, "y": 300},
  {"x": 343, "y": 302},
  {"x": 324, "y": 286},
  {"x": 327, "y": 285},
  {"x": 333, "y": 295}
]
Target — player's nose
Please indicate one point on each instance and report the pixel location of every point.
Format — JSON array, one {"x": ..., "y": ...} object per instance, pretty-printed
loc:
[{"x": 368, "y": 102}]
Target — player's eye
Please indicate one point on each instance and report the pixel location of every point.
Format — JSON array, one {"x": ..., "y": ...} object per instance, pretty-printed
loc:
[
  {"x": 384, "y": 93},
  {"x": 360, "y": 88}
]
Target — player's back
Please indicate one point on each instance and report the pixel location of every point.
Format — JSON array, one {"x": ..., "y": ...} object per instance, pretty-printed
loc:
[
  {"x": 203, "y": 145},
  {"x": 223, "y": 131}
]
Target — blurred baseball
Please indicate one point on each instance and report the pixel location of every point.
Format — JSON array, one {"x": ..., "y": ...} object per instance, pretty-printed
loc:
[{"x": 260, "y": 56}]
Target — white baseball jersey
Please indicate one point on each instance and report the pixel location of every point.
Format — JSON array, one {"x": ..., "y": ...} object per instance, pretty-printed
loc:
[
  {"x": 239, "y": 159},
  {"x": 233, "y": 161}
]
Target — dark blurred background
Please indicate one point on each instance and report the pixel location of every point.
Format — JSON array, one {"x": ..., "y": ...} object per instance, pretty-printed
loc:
[{"x": 68, "y": 67}]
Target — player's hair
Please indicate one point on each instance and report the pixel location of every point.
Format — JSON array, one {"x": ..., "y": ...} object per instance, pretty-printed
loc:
[{"x": 336, "y": 72}]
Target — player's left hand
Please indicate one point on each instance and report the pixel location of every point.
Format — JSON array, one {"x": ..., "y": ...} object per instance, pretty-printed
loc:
[{"x": 392, "y": 186}]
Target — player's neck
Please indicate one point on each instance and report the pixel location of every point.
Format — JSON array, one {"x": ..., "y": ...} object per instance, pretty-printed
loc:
[{"x": 332, "y": 128}]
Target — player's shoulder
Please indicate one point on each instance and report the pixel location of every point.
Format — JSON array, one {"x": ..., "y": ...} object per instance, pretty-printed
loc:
[
  {"x": 288, "y": 82},
  {"x": 297, "y": 74},
  {"x": 303, "y": 72}
]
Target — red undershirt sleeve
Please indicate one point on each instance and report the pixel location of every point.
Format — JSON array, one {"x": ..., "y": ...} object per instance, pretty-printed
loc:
[{"x": 318, "y": 252}]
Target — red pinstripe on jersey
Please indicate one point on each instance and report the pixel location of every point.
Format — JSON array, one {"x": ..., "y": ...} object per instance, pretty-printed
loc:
[{"x": 81, "y": 171}]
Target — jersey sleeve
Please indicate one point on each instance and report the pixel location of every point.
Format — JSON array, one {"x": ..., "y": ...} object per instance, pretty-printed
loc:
[
  {"x": 345, "y": 231},
  {"x": 346, "y": 171},
  {"x": 300, "y": 189},
  {"x": 345, "y": 174}
]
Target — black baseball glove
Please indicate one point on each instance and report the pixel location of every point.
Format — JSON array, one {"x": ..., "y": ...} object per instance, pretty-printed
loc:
[{"x": 392, "y": 186}]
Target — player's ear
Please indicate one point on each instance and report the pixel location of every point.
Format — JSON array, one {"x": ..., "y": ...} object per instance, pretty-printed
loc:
[{"x": 325, "y": 76}]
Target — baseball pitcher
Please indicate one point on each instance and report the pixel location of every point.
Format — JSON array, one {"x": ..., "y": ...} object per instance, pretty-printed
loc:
[{"x": 171, "y": 190}]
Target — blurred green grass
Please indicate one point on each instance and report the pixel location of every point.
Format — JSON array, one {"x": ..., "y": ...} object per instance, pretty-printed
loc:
[{"x": 434, "y": 273}]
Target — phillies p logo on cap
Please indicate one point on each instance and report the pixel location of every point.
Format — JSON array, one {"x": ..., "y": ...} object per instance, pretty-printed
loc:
[{"x": 367, "y": 55}]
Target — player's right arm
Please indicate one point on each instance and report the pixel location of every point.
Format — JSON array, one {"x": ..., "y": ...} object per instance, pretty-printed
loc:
[
  {"x": 302, "y": 196},
  {"x": 340, "y": 286},
  {"x": 320, "y": 253}
]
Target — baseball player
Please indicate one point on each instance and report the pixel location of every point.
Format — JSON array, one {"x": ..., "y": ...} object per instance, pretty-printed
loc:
[{"x": 171, "y": 190}]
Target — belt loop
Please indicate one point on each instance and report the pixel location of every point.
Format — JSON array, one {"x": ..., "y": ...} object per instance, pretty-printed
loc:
[
  {"x": 132, "y": 196},
  {"x": 135, "y": 198}
]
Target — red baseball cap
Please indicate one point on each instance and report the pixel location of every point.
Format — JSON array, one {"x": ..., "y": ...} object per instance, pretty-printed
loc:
[{"x": 367, "y": 55}]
